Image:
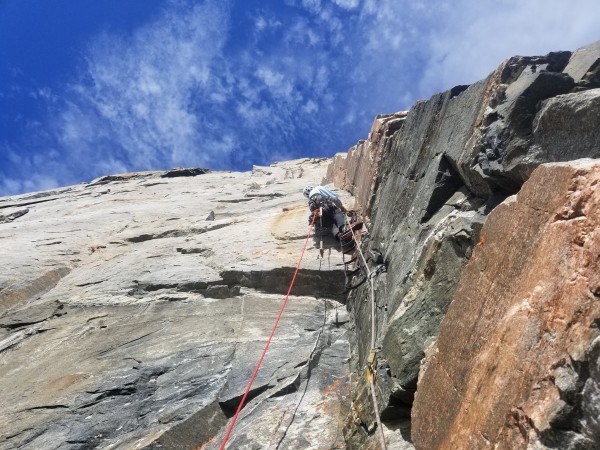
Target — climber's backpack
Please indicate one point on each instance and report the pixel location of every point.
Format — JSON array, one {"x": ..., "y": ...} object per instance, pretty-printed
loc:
[{"x": 347, "y": 241}]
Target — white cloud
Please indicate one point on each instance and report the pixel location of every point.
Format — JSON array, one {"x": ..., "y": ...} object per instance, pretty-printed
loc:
[
  {"x": 13, "y": 156},
  {"x": 169, "y": 95},
  {"x": 463, "y": 41},
  {"x": 299, "y": 32},
  {"x": 41, "y": 182},
  {"x": 477, "y": 36},
  {"x": 263, "y": 23},
  {"x": 277, "y": 83},
  {"x": 137, "y": 93},
  {"x": 35, "y": 182},
  {"x": 347, "y": 4},
  {"x": 310, "y": 107},
  {"x": 170, "y": 90},
  {"x": 313, "y": 6},
  {"x": 260, "y": 23},
  {"x": 10, "y": 186}
]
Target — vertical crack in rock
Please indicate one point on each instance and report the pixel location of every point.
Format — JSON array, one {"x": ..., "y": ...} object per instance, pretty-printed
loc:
[{"x": 447, "y": 181}]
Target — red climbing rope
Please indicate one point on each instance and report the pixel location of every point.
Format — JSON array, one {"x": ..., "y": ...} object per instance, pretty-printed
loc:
[{"x": 268, "y": 341}]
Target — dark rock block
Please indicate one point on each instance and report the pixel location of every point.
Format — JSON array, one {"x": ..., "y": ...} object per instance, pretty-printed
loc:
[
  {"x": 457, "y": 90},
  {"x": 452, "y": 133},
  {"x": 309, "y": 282},
  {"x": 414, "y": 325},
  {"x": 590, "y": 394},
  {"x": 12, "y": 216},
  {"x": 447, "y": 181},
  {"x": 29, "y": 316},
  {"x": 513, "y": 67},
  {"x": 181, "y": 172},
  {"x": 504, "y": 151},
  {"x": 522, "y": 97},
  {"x": 193, "y": 432}
]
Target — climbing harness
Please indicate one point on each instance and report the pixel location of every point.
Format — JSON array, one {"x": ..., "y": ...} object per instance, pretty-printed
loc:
[
  {"x": 348, "y": 245},
  {"x": 262, "y": 356}
]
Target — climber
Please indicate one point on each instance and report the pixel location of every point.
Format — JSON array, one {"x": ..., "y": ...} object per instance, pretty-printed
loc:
[{"x": 333, "y": 209}]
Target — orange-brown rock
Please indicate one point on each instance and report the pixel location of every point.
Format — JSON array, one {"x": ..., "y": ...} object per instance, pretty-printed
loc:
[
  {"x": 358, "y": 170},
  {"x": 511, "y": 367}
]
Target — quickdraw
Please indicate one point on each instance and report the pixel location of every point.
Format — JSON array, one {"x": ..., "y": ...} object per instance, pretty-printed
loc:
[{"x": 372, "y": 357}]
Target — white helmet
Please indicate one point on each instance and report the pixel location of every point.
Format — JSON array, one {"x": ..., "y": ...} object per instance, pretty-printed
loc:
[{"x": 307, "y": 190}]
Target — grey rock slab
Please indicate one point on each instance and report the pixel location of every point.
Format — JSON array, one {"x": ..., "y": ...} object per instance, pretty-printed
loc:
[
  {"x": 312, "y": 415},
  {"x": 125, "y": 313},
  {"x": 414, "y": 322},
  {"x": 585, "y": 64},
  {"x": 456, "y": 157}
]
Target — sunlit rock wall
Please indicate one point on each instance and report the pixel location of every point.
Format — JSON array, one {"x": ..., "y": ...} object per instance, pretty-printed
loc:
[
  {"x": 454, "y": 159},
  {"x": 134, "y": 309},
  {"x": 516, "y": 362}
]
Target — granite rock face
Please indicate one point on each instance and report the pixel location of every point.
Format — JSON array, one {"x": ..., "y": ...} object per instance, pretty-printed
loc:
[
  {"x": 455, "y": 157},
  {"x": 133, "y": 310},
  {"x": 511, "y": 366}
]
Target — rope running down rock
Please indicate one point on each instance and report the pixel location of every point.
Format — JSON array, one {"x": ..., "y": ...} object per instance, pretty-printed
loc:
[
  {"x": 262, "y": 356},
  {"x": 370, "y": 372}
]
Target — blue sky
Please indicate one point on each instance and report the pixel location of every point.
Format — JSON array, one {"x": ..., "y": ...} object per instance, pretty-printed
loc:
[{"x": 89, "y": 88}]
